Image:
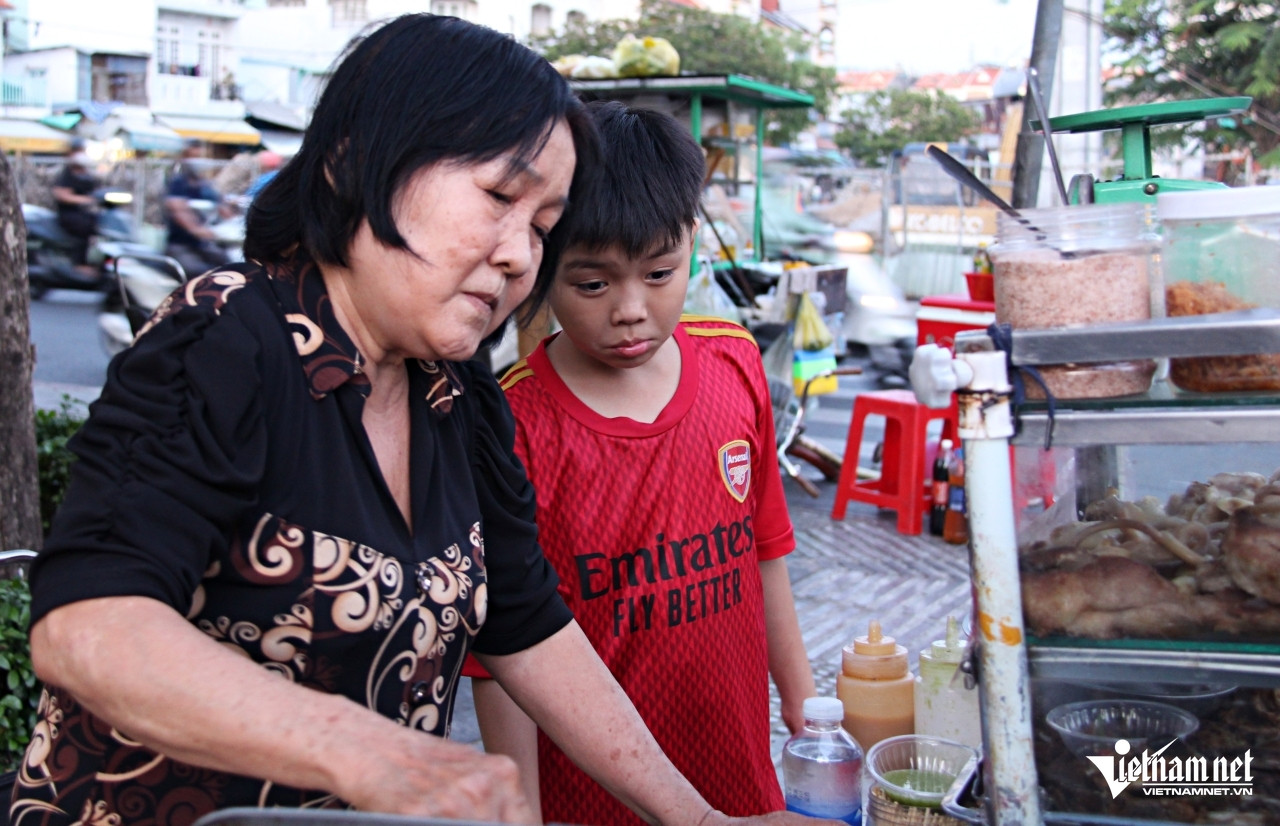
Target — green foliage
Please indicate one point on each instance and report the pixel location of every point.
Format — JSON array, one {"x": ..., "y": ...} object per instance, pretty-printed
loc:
[
  {"x": 20, "y": 692},
  {"x": 19, "y": 689},
  {"x": 888, "y": 120},
  {"x": 1187, "y": 49},
  {"x": 712, "y": 44},
  {"x": 53, "y": 429}
]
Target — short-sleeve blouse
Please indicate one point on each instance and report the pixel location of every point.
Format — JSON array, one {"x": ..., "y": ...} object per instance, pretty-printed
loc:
[{"x": 225, "y": 471}]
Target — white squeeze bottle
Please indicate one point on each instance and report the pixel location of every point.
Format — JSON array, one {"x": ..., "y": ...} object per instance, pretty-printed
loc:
[
  {"x": 944, "y": 706},
  {"x": 822, "y": 765}
]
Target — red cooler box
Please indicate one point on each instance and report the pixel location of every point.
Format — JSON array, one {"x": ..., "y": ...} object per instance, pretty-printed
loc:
[{"x": 940, "y": 317}]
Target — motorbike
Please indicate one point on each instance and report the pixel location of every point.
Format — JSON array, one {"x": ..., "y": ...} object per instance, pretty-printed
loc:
[
  {"x": 143, "y": 279},
  {"x": 51, "y": 261}
]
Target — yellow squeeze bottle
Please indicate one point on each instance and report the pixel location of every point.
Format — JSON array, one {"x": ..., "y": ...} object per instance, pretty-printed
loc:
[{"x": 877, "y": 688}]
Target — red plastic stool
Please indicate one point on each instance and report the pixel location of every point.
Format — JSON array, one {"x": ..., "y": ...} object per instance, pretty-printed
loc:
[{"x": 901, "y": 485}]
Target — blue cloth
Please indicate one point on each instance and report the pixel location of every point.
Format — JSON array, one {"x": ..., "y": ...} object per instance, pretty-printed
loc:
[{"x": 259, "y": 183}]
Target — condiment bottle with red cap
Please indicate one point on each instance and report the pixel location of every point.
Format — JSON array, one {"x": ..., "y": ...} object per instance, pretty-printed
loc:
[{"x": 877, "y": 688}]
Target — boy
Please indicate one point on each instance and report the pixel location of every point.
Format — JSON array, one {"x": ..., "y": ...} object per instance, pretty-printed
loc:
[{"x": 649, "y": 441}]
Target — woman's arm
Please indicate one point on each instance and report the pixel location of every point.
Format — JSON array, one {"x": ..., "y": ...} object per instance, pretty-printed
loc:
[
  {"x": 788, "y": 660},
  {"x": 507, "y": 730},
  {"x": 137, "y": 664},
  {"x": 562, "y": 684}
]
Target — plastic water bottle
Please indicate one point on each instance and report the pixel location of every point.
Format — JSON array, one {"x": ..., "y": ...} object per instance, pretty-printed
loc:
[{"x": 822, "y": 764}]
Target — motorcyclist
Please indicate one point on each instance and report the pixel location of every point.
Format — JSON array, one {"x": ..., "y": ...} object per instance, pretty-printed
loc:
[
  {"x": 191, "y": 241},
  {"x": 73, "y": 194}
]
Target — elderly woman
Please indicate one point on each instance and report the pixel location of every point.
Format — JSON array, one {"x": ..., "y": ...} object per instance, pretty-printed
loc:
[{"x": 296, "y": 506}]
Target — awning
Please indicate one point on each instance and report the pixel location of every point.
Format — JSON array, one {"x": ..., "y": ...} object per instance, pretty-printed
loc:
[
  {"x": 151, "y": 137},
  {"x": 32, "y": 136},
  {"x": 274, "y": 114},
  {"x": 66, "y": 121},
  {"x": 214, "y": 130},
  {"x": 284, "y": 144}
]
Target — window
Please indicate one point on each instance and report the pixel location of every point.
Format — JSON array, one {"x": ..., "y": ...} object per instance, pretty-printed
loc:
[
  {"x": 826, "y": 40},
  {"x": 466, "y": 9},
  {"x": 118, "y": 78},
  {"x": 167, "y": 46},
  {"x": 348, "y": 11},
  {"x": 540, "y": 19}
]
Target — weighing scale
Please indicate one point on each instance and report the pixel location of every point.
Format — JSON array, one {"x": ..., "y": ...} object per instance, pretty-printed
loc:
[{"x": 1136, "y": 182}]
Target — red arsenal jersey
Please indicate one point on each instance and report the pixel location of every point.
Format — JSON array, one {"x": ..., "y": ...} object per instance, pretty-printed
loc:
[{"x": 656, "y": 531}]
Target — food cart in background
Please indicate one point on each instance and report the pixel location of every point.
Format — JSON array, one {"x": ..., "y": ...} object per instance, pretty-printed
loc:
[{"x": 728, "y": 114}]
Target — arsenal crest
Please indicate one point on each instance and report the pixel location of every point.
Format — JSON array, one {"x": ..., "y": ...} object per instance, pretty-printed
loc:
[{"x": 735, "y": 468}]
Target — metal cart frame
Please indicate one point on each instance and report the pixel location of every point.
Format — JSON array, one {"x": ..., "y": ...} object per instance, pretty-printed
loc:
[{"x": 1004, "y": 660}]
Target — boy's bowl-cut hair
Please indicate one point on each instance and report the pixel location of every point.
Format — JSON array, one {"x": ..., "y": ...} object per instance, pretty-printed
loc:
[
  {"x": 418, "y": 90},
  {"x": 641, "y": 195}
]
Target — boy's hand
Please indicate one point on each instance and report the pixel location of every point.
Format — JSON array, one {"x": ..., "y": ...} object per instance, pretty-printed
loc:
[{"x": 793, "y": 714}]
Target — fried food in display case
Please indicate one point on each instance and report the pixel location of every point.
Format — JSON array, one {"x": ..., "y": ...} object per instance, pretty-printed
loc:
[{"x": 1202, "y": 565}]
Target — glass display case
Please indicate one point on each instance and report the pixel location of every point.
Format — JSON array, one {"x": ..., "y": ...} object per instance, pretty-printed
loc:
[{"x": 1127, "y": 582}]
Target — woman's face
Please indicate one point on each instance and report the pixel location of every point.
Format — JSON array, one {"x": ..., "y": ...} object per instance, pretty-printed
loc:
[{"x": 477, "y": 231}]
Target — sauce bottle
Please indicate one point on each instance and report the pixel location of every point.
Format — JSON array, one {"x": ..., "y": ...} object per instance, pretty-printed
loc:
[
  {"x": 876, "y": 687},
  {"x": 944, "y": 706},
  {"x": 955, "y": 527},
  {"x": 982, "y": 259},
  {"x": 938, "y": 491}
]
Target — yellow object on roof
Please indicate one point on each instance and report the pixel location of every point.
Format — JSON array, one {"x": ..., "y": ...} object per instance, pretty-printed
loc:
[
  {"x": 33, "y": 137},
  {"x": 214, "y": 130}
]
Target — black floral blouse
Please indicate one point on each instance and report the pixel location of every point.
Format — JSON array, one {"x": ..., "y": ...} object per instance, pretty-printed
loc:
[{"x": 225, "y": 471}]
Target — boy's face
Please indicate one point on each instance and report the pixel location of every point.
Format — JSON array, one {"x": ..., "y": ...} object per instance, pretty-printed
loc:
[{"x": 619, "y": 310}]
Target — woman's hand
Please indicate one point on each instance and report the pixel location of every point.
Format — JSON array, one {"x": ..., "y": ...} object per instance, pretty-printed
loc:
[{"x": 430, "y": 777}]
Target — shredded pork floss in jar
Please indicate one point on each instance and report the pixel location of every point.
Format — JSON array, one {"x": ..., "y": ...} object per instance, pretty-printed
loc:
[{"x": 1077, "y": 266}]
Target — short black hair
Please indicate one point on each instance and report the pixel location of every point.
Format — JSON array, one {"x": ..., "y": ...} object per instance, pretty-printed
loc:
[
  {"x": 641, "y": 193},
  {"x": 415, "y": 91}
]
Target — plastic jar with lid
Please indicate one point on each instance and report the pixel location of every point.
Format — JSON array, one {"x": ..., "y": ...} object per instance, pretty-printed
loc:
[
  {"x": 1072, "y": 266},
  {"x": 1220, "y": 252}
]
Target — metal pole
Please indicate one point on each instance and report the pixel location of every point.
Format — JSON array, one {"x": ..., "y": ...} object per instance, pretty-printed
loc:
[
  {"x": 695, "y": 126},
  {"x": 757, "y": 231},
  {"x": 1009, "y": 768},
  {"x": 1044, "y": 58}
]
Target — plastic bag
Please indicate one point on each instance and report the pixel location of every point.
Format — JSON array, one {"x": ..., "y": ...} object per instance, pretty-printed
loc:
[
  {"x": 707, "y": 297},
  {"x": 594, "y": 66},
  {"x": 645, "y": 57},
  {"x": 811, "y": 333},
  {"x": 565, "y": 64}
]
